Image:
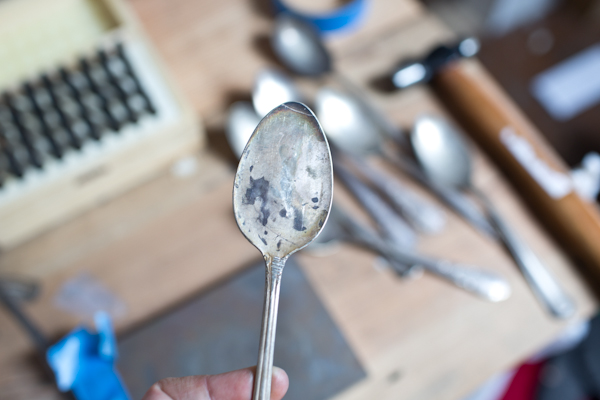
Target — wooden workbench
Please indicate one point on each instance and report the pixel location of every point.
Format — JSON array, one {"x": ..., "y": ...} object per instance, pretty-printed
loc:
[{"x": 171, "y": 238}]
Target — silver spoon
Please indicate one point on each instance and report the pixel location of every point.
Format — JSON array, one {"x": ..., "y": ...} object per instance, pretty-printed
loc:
[
  {"x": 281, "y": 200},
  {"x": 241, "y": 122},
  {"x": 484, "y": 284},
  {"x": 445, "y": 158},
  {"x": 272, "y": 88},
  {"x": 299, "y": 47}
]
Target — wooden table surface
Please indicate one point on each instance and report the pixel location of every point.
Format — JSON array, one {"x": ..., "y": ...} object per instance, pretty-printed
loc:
[{"x": 169, "y": 239}]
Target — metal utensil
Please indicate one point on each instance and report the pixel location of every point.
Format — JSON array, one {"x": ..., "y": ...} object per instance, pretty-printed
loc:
[
  {"x": 484, "y": 284},
  {"x": 281, "y": 199},
  {"x": 272, "y": 88},
  {"x": 299, "y": 47},
  {"x": 446, "y": 159},
  {"x": 241, "y": 122}
]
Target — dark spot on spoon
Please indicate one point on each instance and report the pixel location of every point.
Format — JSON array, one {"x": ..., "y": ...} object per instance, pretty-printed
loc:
[
  {"x": 263, "y": 240},
  {"x": 266, "y": 233},
  {"x": 315, "y": 207},
  {"x": 311, "y": 172},
  {"x": 282, "y": 212},
  {"x": 259, "y": 188},
  {"x": 251, "y": 168},
  {"x": 315, "y": 199},
  {"x": 278, "y": 245}
]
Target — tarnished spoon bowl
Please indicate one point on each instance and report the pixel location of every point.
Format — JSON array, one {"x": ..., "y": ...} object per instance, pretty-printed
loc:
[{"x": 281, "y": 200}]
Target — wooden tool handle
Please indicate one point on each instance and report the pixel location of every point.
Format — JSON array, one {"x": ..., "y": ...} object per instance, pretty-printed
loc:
[{"x": 523, "y": 154}]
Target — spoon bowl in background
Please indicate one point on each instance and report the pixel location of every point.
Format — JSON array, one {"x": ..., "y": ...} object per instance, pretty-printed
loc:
[
  {"x": 241, "y": 122},
  {"x": 272, "y": 88},
  {"x": 299, "y": 47}
]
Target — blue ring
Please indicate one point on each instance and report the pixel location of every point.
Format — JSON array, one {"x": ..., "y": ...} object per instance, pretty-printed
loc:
[{"x": 327, "y": 22}]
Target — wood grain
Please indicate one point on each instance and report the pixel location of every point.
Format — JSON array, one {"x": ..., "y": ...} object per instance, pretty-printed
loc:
[{"x": 174, "y": 237}]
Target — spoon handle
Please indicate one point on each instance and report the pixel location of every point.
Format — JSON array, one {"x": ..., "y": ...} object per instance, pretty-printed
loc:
[
  {"x": 541, "y": 281},
  {"x": 485, "y": 284},
  {"x": 456, "y": 200},
  {"x": 391, "y": 225},
  {"x": 423, "y": 214},
  {"x": 264, "y": 367}
]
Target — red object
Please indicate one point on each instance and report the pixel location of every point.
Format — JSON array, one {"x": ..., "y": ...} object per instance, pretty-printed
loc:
[{"x": 524, "y": 382}]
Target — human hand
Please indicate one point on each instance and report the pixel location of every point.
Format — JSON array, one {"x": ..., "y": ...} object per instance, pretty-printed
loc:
[{"x": 235, "y": 385}]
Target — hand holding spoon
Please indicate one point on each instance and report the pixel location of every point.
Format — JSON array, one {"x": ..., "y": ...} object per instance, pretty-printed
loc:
[
  {"x": 446, "y": 159},
  {"x": 281, "y": 200}
]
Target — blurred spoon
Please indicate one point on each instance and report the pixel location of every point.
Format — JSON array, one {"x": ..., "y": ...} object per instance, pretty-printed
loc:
[
  {"x": 300, "y": 48},
  {"x": 272, "y": 88},
  {"x": 446, "y": 159},
  {"x": 241, "y": 122}
]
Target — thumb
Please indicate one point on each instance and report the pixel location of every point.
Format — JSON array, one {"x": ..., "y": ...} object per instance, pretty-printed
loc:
[{"x": 235, "y": 385}]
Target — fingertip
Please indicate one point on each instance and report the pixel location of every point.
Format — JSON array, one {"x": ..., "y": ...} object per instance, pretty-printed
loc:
[{"x": 279, "y": 383}]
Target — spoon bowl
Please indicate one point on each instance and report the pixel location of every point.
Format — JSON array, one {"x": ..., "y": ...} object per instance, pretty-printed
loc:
[
  {"x": 444, "y": 156},
  {"x": 241, "y": 122},
  {"x": 299, "y": 47},
  {"x": 284, "y": 181},
  {"x": 272, "y": 88},
  {"x": 345, "y": 122}
]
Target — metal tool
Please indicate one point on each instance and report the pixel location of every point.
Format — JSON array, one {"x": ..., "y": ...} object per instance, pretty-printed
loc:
[
  {"x": 446, "y": 159},
  {"x": 412, "y": 72},
  {"x": 281, "y": 199}
]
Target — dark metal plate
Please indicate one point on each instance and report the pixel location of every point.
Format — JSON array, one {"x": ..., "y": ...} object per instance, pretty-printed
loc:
[{"x": 219, "y": 331}]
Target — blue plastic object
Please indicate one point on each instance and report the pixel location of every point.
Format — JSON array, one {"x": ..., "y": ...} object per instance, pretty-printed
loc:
[
  {"x": 84, "y": 363},
  {"x": 345, "y": 17}
]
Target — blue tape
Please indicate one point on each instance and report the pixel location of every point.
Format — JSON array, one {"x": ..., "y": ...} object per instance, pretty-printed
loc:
[
  {"x": 84, "y": 363},
  {"x": 342, "y": 17}
]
